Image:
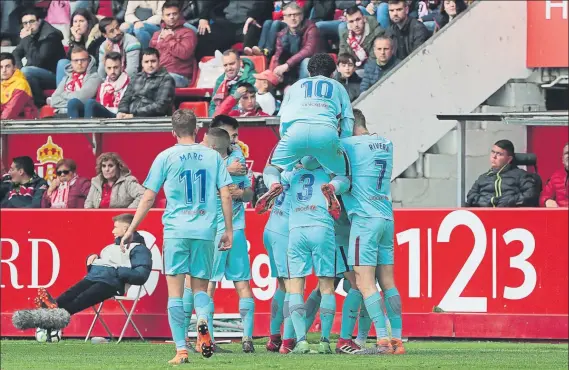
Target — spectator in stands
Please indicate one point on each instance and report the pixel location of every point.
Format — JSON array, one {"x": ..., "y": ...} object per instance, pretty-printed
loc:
[
  {"x": 295, "y": 45},
  {"x": 322, "y": 13},
  {"x": 142, "y": 19},
  {"x": 407, "y": 32},
  {"x": 80, "y": 83},
  {"x": 124, "y": 44},
  {"x": 384, "y": 60},
  {"x": 245, "y": 95},
  {"x": 151, "y": 92},
  {"x": 237, "y": 70},
  {"x": 67, "y": 190},
  {"x": 265, "y": 83},
  {"x": 233, "y": 21},
  {"x": 41, "y": 46},
  {"x": 448, "y": 11},
  {"x": 114, "y": 186},
  {"x": 359, "y": 36},
  {"x": 346, "y": 75},
  {"x": 109, "y": 95},
  {"x": 504, "y": 185},
  {"x": 16, "y": 96},
  {"x": 176, "y": 45},
  {"x": 83, "y": 31},
  {"x": 556, "y": 192},
  {"x": 25, "y": 189}
]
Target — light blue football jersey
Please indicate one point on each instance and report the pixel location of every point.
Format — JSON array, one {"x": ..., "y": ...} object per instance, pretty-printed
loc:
[
  {"x": 191, "y": 174},
  {"x": 317, "y": 100},
  {"x": 242, "y": 182},
  {"x": 307, "y": 203},
  {"x": 278, "y": 220},
  {"x": 371, "y": 161}
]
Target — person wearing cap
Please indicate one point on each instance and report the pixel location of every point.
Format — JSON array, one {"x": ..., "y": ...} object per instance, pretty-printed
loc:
[
  {"x": 265, "y": 83},
  {"x": 248, "y": 107}
]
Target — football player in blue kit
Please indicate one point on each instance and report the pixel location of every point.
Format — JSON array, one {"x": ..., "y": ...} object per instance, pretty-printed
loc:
[{"x": 314, "y": 109}]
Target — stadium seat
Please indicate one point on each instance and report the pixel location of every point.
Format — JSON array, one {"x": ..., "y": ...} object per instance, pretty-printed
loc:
[
  {"x": 46, "y": 111},
  {"x": 334, "y": 56},
  {"x": 259, "y": 61},
  {"x": 200, "y": 108},
  {"x": 134, "y": 298},
  {"x": 48, "y": 93},
  {"x": 338, "y": 14}
]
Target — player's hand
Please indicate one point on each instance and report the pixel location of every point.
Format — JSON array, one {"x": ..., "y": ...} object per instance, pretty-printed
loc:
[
  {"x": 203, "y": 27},
  {"x": 226, "y": 241},
  {"x": 236, "y": 168},
  {"x": 125, "y": 241},
  {"x": 236, "y": 193}
]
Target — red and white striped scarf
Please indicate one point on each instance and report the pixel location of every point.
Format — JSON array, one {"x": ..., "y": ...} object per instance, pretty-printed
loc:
[
  {"x": 60, "y": 196},
  {"x": 76, "y": 82},
  {"x": 111, "y": 93}
]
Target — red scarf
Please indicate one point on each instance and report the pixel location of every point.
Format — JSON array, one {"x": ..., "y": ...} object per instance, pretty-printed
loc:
[
  {"x": 111, "y": 93},
  {"x": 355, "y": 43},
  {"x": 76, "y": 82},
  {"x": 60, "y": 197},
  {"x": 224, "y": 87}
]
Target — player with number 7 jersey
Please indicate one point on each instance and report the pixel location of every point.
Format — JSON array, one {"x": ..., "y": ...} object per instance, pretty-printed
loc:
[
  {"x": 192, "y": 175},
  {"x": 370, "y": 251}
]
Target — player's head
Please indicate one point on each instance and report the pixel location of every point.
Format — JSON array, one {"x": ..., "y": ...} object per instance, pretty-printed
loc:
[
  {"x": 360, "y": 126},
  {"x": 321, "y": 64},
  {"x": 184, "y": 123},
  {"x": 121, "y": 224},
  {"x": 229, "y": 124},
  {"x": 218, "y": 140}
]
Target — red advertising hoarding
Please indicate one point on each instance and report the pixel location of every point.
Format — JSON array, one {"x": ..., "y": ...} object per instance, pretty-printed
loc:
[
  {"x": 495, "y": 273},
  {"x": 547, "y": 34}
]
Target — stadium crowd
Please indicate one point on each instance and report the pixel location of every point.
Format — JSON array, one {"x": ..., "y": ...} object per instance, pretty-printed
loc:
[{"x": 130, "y": 58}]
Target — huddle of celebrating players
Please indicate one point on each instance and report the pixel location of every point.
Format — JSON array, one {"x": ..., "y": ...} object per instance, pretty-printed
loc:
[{"x": 329, "y": 192}]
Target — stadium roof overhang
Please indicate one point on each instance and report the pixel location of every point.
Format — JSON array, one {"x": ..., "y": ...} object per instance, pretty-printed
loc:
[{"x": 547, "y": 118}]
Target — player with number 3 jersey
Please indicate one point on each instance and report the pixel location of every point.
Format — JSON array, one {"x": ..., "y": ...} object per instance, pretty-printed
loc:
[{"x": 313, "y": 111}]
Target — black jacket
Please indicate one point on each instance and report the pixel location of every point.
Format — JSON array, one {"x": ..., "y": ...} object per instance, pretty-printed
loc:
[
  {"x": 42, "y": 49},
  {"x": 324, "y": 10},
  {"x": 149, "y": 95},
  {"x": 351, "y": 84},
  {"x": 23, "y": 196},
  {"x": 507, "y": 187},
  {"x": 137, "y": 273},
  {"x": 408, "y": 38}
]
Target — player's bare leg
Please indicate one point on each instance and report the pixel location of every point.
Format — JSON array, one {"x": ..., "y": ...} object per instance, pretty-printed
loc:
[
  {"x": 298, "y": 314},
  {"x": 202, "y": 304},
  {"x": 247, "y": 311},
  {"x": 327, "y": 311},
  {"x": 386, "y": 280},
  {"x": 188, "y": 302},
  {"x": 277, "y": 317},
  {"x": 350, "y": 309},
  {"x": 176, "y": 317},
  {"x": 271, "y": 177},
  {"x": 365, "y": 280}
]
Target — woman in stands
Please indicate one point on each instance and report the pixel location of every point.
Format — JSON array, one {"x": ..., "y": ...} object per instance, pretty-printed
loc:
[
  {"x": 67, "y": 190},
  {"x": 82, "y": 32},
  {"x": 114, "y": 186}
]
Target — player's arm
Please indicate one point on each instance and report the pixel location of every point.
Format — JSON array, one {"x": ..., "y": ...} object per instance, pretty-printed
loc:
[
  {"x": 144, "y": 206},
  {"x": 347, "y": 120},
  {"x": 223, "y": 182}
]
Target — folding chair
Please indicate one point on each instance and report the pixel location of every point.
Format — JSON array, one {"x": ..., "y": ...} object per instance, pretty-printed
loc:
[{"x": 137, "y": 289}]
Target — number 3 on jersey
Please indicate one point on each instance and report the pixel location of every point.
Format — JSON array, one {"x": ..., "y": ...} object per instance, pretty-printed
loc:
[
  {"x": 322, "y": 89},
  {"x": 307, "y": 181},
  {"x": 189, "y": 178}
]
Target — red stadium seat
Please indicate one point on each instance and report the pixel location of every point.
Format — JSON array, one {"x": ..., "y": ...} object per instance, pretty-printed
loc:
[
  {"x": 259, "y": 61},
  {"x": 338, "y": 13},
  {"x": 334, "y": 56},
  {"x": 200, "y": 108},
  {"x": 46, "y": 111}
]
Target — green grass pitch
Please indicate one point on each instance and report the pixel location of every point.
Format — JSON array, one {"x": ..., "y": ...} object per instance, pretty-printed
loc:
[{"x": 74, "y": 354}]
